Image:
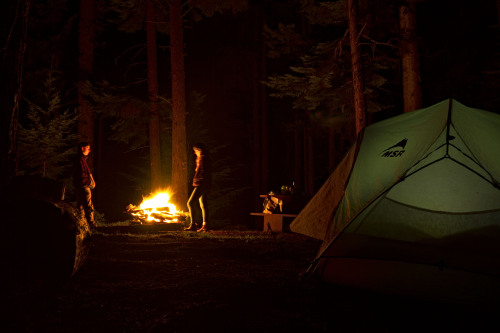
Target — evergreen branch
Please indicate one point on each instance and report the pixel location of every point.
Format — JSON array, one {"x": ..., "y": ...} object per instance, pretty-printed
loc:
[{"x": 389, "y": 44}]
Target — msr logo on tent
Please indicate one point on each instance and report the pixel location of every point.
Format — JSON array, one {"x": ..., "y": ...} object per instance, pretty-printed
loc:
[{"x": 395, "y": 150}]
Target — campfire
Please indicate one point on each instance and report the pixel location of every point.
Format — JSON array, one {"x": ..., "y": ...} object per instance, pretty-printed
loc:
[{"x": 156, "y": 209}]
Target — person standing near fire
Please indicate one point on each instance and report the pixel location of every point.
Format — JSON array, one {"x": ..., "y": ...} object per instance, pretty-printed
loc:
[
  {"x": 83, "y": 182},
  {"x": 202, "y": 180}
]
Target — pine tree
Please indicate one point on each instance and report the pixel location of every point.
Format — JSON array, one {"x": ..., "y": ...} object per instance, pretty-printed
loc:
[
  {"x": 319, "y": 81},
  {"x": 47, "y": 138}
]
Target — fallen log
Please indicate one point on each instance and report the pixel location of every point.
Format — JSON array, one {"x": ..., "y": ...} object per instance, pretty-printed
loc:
[{"x": 164, "y": 210}]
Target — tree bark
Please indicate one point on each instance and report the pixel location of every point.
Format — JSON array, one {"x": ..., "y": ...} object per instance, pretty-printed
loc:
[
  {"x": 498, "y": 14},
  {"x": 154, "y": 118},
  {"x": 308, "y": 163},
  {"x": 357, "y": 68},
  {"x": 260, "y": 167},
  {"x": 179, "y": 145},
  {"x": 410, "y": 62},
  {"x": 12, "y": 158},
  {"x": 256, "y": 121},
  {"x": 85, "y": 67},
  {"x": 332, "y": 151},
  {"x": 298, "y": 155},
  {"x": 263, "y": 106}
]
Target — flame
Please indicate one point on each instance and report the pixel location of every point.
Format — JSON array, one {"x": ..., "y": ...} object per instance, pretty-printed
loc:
[
  {"x": 156, "y": 208},
  {"x": 158, "y": 200}
]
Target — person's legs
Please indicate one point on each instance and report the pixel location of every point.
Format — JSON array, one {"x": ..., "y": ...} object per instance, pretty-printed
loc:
[
  {"x": 84, "y": 205},
  {"x": 195, "y": 195},
  {"x": 204, "y": 210},
  {"x": 88, "y": 206},
  {"x": 79, "y": 201},
  {"x": 204, "y": 207}
]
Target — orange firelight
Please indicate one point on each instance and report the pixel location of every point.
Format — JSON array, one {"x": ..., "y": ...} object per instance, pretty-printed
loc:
[{"x": 155, "y": 208}]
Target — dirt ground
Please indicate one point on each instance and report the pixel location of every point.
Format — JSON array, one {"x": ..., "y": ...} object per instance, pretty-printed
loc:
[{"x": 139, "y": 280}]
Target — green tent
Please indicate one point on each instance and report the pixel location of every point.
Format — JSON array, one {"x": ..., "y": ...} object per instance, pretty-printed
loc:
[{"x": 414, "y": 207}]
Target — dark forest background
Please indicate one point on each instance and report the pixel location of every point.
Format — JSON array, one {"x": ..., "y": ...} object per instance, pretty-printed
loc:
[{"x": 268, "y": 88}]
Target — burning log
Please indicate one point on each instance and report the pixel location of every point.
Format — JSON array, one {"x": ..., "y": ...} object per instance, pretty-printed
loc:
[{"x": 156, "y": 209}]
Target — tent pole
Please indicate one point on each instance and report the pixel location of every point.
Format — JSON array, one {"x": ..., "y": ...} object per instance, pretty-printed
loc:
[{"x": 448, "y": 125}]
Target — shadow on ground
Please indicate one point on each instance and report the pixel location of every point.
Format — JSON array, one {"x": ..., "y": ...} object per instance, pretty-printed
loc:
[{"x": 224, "y": 281}]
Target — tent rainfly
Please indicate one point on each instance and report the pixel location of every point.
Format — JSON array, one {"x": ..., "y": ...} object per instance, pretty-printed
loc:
[{"x": 414, "y": 208}]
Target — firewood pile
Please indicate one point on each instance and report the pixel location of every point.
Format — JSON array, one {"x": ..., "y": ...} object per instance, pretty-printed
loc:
[{"x": 155, "y": 215}]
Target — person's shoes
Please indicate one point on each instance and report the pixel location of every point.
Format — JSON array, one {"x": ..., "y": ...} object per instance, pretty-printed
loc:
[
  {"x": 190, "y": 228},
  {"x": 204, "y": 228}
]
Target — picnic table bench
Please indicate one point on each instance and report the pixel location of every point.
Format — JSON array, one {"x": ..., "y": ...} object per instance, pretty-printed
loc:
[{"x": 274, "y": 222}]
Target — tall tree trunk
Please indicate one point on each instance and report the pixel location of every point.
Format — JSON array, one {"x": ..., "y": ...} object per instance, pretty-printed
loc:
[
  {"x": 256, "y": 156},
  {"x": 263, "y": 106},
  {"x": 85, "y": 67},
  {"x": 308, "y": 163},
  {"x": 298, "y": 156},
  {"x": 179, "y": 145},
  {"x": 498, "y": 14},
  {"x": 256, "y": 119},
  {"x": 332, "y": 151},
  {"x": 357, "y": 68},
  {"x": 14, "y": 118},
  {"x": 154, "y": 118},
  {"x": 259, "y": 111},
  {"x": 410, "y": 61}
]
